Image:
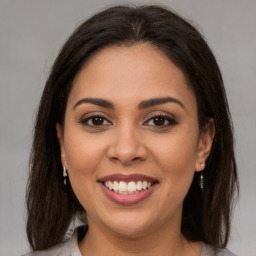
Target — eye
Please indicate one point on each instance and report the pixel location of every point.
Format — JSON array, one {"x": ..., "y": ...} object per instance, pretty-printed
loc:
[
  {"x": 161, "y": 121},
  {"x": 95, "y": 120}
]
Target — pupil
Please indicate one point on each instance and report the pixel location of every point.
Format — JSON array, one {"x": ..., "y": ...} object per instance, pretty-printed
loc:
[
  {"x": 97, "y": 120},
  {"x": 159, "y": 121}
]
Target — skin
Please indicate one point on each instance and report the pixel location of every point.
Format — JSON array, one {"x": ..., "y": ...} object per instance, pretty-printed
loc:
[{"x": 129, "y": 140}]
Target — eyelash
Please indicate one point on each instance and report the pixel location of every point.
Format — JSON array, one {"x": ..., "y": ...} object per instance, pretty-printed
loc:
[
  {"x": 84, "y": 121},
  {"x": 171, "y": 121}
]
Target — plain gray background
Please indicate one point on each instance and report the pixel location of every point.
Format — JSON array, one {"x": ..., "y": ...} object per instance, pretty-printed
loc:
[{"x": 31, "y": 34}]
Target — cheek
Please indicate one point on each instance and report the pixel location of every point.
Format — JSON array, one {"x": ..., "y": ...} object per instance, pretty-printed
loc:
[
  {"x": 176, "y": 158},
  {"x": 83, "y": 156},
  {"x": 179, "y": 147},
  {"x": 83, "y": 151}
]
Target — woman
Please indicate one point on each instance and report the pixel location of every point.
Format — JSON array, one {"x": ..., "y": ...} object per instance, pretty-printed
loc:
[{"x": 134, "y": 130}]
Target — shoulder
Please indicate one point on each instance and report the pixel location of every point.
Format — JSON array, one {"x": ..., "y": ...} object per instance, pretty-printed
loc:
[
  {"x": 224, "y": 252},
  {"x": 59, "y": 249},
  {"x": 67, "y": 248},
  {"x": 208, "y": 250}
]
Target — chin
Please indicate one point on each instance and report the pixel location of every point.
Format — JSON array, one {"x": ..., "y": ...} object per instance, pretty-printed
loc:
[{"x": 129, "y": 225}]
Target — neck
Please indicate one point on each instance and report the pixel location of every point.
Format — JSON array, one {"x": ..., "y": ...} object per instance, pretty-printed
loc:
[{"x": 165, "y": 241}]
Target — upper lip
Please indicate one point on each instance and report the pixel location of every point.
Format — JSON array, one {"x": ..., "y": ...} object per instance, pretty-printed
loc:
[{"x": 127, "y": 178}]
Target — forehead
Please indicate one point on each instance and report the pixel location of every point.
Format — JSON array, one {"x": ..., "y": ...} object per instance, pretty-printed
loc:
[{"x": 130, "y": 73}]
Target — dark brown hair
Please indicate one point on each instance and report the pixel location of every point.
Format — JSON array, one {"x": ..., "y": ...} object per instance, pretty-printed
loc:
[{"x": 51, "y": 205}]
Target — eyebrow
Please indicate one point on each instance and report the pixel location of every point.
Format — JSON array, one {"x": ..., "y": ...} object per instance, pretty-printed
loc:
[
  {"x": 144, "y": 104},
  {"x": 96, "y": 101},
  {"x": 158, "y": 101}
]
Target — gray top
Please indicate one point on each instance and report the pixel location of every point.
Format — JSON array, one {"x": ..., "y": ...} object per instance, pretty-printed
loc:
[{"x": 70, "y": 248}]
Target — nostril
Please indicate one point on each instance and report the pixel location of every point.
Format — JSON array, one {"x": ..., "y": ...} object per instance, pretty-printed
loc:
[
  {"x": 126, "y": 153},
  {"x": 136, "y": 158},
  {"x": 114, "y": 158}
]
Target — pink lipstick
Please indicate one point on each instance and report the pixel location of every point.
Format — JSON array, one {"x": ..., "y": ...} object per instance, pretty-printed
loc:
[{"x": 127, "y": 189}]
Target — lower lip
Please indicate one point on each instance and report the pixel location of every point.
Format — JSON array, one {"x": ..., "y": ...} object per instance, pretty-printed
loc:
[{"x": 127, "y": 199}]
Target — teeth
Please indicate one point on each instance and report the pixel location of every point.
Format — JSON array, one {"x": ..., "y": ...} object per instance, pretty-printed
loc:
[
  {"x": 139, "y": 185},
  {"x": 122, "y": 186},
  {"x": 131, "y": 187},
  {"x": 144, "y": 184},
  {"x": 110, "y": 185},
  {"x": 115, "y": 185}
]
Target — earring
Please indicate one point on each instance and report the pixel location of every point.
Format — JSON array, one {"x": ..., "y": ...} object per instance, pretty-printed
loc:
[
  {"x": 65, "y": 175},
  {"x": 202, "y": 164},
  {"x": 201, "y": 181}
]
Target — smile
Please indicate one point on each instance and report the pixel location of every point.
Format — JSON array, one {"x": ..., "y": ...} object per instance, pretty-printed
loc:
[
  {"x": 131, "y": 187},
  {"x": 128, "y": 189}
]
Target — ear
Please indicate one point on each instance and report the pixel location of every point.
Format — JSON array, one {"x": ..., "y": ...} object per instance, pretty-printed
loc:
[
  {"x": 61, "y": 142},
  {"x": 205, "y": 145}
]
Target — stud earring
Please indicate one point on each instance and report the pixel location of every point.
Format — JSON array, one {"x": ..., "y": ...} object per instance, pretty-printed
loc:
[
  {"x": 202, "y": 164},
  {"x": 201, "y": 181},
  {"x": 65, "y": 175}
]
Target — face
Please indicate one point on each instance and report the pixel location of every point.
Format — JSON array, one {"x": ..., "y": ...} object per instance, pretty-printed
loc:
[{"x": 131, "y": 142}]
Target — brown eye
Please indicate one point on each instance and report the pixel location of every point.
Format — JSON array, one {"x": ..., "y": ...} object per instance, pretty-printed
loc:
[
  {"x": 95, "y": 120},
  {"x": 159, "y": 121}
]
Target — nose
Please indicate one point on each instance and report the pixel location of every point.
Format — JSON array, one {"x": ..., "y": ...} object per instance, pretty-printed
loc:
[{"x": 127, "y": 146}]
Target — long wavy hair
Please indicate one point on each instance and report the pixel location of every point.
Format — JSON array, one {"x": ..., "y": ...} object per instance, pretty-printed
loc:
[{"x": 51, "y": 205}]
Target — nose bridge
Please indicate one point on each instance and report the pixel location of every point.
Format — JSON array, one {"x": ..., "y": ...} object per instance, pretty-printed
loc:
[{"x": 127, "y": 145}]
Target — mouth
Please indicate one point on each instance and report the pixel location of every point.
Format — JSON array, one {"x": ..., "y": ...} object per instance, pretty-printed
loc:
[
  {"x": 131, "y": 187},
  {"x": 128, "y": 189}
]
